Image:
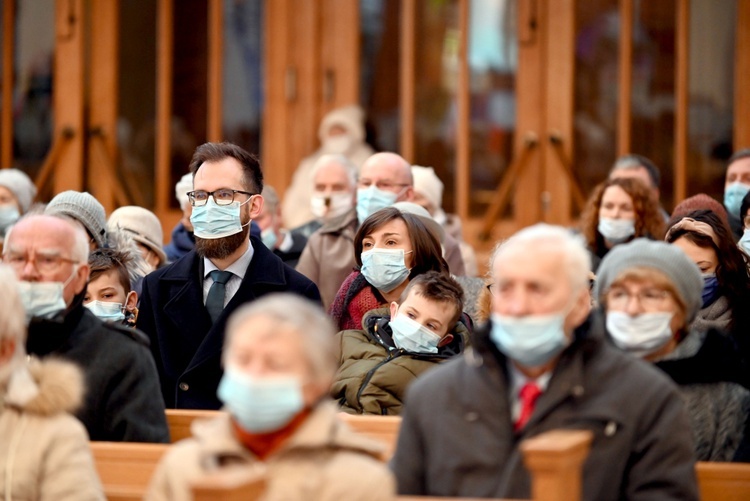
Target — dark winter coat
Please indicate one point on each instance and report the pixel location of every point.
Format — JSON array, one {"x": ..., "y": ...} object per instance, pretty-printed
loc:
[
  {"x": 457, "y": 436},
  {"x": 373, "y": 373},
  {"x": 185, "y": 344},
  {"x": 707, "y": 369},
  {"x": 123, "y": 401}
]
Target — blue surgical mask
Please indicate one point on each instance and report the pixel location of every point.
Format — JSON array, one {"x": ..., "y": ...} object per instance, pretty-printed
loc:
[
  {"x": 733, "y": 196},
  {"x": 260, "y": 405},
  {"x": 372, "y": 199},
  {"x": 384, "y": 269},
  {"x": 616, "y": 231},
  {"x": 640, "y": 335},
  {"x": 106, "y": 311},
  {"x": 413, "y": 336},
  {"x": 268, "y": 237},
  {"x": 213, "y": 221},
  {"x": 532, "y": 340},
  {"x": 8, "y": 215},
  {"x": 710, "y": 289},
  {"x": 744, "y": 242},
  {"x": 42, "y": 299}
]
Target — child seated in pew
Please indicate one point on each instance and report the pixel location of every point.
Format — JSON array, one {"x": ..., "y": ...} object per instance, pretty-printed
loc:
[
  {"x": 108, "y": 294},
  {"x": 396, "y": 345}
]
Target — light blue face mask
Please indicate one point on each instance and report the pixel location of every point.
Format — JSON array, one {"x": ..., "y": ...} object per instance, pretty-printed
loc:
[
  {"x": 384, "y": 269},
  {"x": 744, "y": 242},
  {"x": 372, "y": 199},
  {"x": 531, "y": 341},
  {"x": 106, "y": 311},
  {"x": 268, "y": 237},
  {"x": 44, "y": 299},
  {"x": 213, "y": 221},
  {"x": 260, "y": 405},
  {"x": 616, "y": 231},
  {"x": 733, "y": 196},
  {"x": 8, "y": 215},
  {"x": 413, "y": 336}
]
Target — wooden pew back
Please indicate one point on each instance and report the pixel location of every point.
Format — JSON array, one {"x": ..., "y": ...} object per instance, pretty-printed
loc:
[
  {"x": 180, "y": 421},
  {"x": 384, "y": 429},
  {"x": 125, "y": 468},
  {"x": 723, "y": 481}
]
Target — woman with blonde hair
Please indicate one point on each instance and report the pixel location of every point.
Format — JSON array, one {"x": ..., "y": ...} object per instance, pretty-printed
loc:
[{"x": 618, "y": 211}]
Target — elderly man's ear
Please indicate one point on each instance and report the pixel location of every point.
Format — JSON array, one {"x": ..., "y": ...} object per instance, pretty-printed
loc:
[
  {"x": 7, "y": 349},
  {"x": 581, "y": 308}
]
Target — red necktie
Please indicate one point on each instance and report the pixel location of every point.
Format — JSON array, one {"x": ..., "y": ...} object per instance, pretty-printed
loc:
[{"x": 528, "y": 395}]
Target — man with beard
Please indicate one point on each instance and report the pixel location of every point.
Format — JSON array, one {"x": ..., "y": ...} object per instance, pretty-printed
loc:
[{"x": 185, "y": 306}]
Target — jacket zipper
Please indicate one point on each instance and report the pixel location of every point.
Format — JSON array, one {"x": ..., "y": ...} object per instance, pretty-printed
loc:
[{"x": 371, "y": 372}]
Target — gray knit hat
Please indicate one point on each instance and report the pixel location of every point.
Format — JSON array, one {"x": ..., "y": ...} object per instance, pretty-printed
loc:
[
  {"x": 668, "y": 259},
  {"x": 20, "y": 185},
  {"x": 85, "y": 209}
]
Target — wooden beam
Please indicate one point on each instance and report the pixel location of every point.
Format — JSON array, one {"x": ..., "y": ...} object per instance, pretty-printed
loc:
[
  {"x": 463, "y": 142},
  {"x": 407, "y": 85},
  {"x": 682, "y": 83},
  {"x": 164, "y": 72},
  {"x": 104, "y": 91},
  {"x": 625, "y": 77},
  {"x": 214, "y": 129},
  {"x": 68, "y": 92},
  {"x": 742, "y": 76},
  {"x": 6, "y": 120}
]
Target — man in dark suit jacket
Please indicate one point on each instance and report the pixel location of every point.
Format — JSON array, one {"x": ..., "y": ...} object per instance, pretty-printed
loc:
[{"x": 185, "y": 306}]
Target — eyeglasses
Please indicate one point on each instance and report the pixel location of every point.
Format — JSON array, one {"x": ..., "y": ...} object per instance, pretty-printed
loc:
[
  {"x": 648, "y": 298},
  {"x": 45, "y": 264},
  {"x": 492, "y": 288},
  {"x": 381, "y": 185},
  {"x": 224, "y": 196}
]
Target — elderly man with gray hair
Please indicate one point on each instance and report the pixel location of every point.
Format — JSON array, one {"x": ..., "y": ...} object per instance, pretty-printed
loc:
[
  {"x": 533, "y": 368},
  {"x": 279, "y": 361}
]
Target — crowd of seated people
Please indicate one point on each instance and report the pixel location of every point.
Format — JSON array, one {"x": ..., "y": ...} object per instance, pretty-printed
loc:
[{"x": 632, "y": 325}]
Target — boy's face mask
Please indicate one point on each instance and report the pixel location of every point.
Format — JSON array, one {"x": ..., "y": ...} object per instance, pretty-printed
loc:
[{"x": 107, "y": 312}]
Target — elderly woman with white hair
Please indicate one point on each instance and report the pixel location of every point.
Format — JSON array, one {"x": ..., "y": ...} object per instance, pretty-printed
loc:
[
  {"x": 650, "y": 293},
  {"x": 45, "y": 453},
  {"x": 279, "y": 361}
]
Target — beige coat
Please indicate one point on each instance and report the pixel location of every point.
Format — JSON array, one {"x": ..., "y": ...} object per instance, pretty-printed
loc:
[
  {"x": 44, "y": 451},
  {"x": 324, "y": 460},
  {"x": 328, "y": 257}
]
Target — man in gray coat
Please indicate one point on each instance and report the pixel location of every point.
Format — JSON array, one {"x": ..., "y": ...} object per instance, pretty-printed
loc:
[{"x": 535, "y": 368}]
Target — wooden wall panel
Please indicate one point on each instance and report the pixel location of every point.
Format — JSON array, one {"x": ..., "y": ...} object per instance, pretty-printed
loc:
[
  {"x": 6, "y": 113},
  {"x": 340, "y": 54},
  {"x": 407, "y": 85},
  {"x": 625, "y": 78},
  {"x": 164, "y": 92},
  {"x": 214, "y": 128},
  {"x": 682, "y": 95},
  {"x": 742, "y": 77}
]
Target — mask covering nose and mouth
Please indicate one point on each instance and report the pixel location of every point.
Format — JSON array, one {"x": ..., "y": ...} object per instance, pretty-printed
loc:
[
  {"x": 212, "y": 221},
  {"x": 44, "y": 299}
]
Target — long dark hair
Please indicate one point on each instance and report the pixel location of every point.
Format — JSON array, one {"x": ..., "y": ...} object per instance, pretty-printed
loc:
[
  {"x": 427, "y": 253},
  {"x": 731, "y": 271}
]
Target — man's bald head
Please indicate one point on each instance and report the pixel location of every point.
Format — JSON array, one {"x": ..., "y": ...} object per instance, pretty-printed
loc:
[{"x": 389, "y": 172}]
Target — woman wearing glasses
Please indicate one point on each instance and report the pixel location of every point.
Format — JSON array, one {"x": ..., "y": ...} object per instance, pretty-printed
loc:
[
  {"x": 390, "y": 248},
  {"x": 650, "y": 293}
]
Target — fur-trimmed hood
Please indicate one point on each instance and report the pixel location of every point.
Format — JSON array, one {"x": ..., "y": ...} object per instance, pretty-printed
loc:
[{"x": 45, "y": 388}]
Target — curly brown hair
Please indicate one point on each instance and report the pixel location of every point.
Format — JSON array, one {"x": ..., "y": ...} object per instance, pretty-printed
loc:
[{"x": 648, "y": 219}]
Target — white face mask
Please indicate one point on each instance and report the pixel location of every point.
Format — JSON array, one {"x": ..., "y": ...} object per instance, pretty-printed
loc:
[
  {"x": 616, "y": 230},
  {"x": 329, "y": 207},
  {"x": 44, "y": 299},
  {"x": 107, "y": 311},
  {"x": 640, "y": 335}
]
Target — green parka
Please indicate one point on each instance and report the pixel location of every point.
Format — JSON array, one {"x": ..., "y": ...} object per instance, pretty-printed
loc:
[{"x": 373, "y": 373}]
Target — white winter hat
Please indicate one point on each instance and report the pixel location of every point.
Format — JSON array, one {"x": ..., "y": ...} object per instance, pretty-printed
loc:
[
  {"x": 424, "y": 216},
  {"x": 20, "y": 185},
  {"x": 428, "y": 185},
  {"x": 142, "y": 225},
  {"x": 181, "y": 189}
]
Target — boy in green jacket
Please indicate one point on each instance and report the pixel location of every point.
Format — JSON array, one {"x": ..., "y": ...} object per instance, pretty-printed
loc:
[{"x": 377, "y": 363}]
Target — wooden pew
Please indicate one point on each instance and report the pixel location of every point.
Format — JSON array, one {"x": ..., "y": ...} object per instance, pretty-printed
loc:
[
  {"x": 125, "y": 468},
  {"x": 381, "y": 428},
  {"x": 180, "y": 420},
  {"x": 555, "y": 460},
  {"x": 723, "y": 481}
]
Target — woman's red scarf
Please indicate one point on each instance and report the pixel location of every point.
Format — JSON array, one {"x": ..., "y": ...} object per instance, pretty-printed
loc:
[{"x": 355, "y": 298}]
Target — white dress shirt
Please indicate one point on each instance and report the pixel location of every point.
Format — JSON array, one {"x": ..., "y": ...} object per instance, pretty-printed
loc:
[{"x": 238, "y": 269}]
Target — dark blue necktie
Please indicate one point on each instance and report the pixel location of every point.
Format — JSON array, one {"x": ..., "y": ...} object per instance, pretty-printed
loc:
[{"x": 215, "y": 298}]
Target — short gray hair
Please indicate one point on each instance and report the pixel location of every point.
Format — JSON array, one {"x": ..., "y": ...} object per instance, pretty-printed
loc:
[
  {"x": 577, "y": 261},
  {"x": 308, "y": 320},
  {"x": 336, "y": 159},
  {"x": 12, "y": 316}
]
